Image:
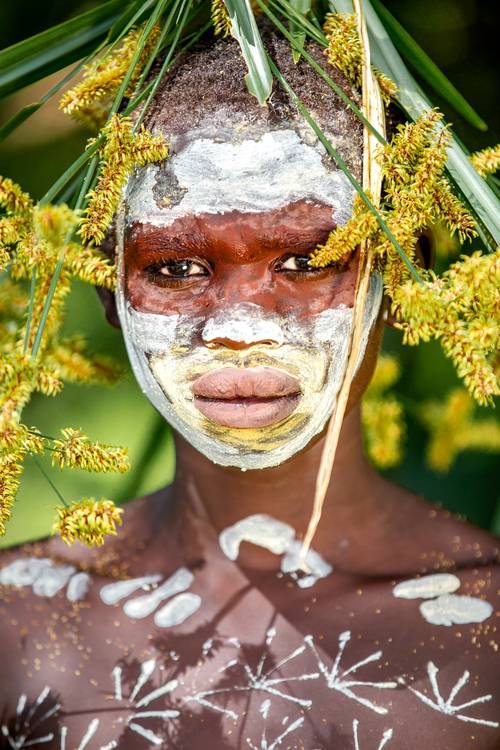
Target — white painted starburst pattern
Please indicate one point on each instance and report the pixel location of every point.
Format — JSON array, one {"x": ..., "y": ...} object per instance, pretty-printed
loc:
[
  {"x": 139, "y": 703},
  {"x": 345, "y": 681},
  {"x": 448, "y": 706},
  {"x": 255, "y": 679}
]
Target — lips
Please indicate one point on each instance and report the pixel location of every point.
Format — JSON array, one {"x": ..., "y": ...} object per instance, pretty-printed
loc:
[{"x": 246, "y": 398}]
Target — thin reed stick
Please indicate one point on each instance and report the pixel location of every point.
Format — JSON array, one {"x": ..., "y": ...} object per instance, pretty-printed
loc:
[{"x": 372, "y": 183}]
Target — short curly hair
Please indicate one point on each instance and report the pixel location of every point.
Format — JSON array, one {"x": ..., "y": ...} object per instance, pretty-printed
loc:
[{"x": 206, "y": 89}]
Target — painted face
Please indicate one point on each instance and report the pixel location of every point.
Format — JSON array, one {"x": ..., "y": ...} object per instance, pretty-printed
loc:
[{"x": 235, "y": 339}]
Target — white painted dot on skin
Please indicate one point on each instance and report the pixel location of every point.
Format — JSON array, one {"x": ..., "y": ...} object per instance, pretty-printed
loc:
[
  {"x": 452, "y": 609},
  {"x": 24, "y": 571},
  {"x": 78, "y": 587},
  {"x": 143, "y": 606},
  {"x": 259, "y": 529},
  {"x": 427, "y": 587},
  {"x": 112, "y": 593},
  {"x": 52, "y": 579},
  {"x": 177, "y": 610},
  {"x": 318, "y": 567}
]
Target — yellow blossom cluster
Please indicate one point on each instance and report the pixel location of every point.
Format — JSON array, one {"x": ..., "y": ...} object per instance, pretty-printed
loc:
[
  {"x": 461, "y": 309},
  {"x": 37, "y": 244},
  {"x": 416, "y": 196},
  {"x": 486, "y": 161},
  {"x": 345, "y": 53},
  {"x": 90, "y": 100},
  {"x": 33, "y": 239},
  {"x": 121, "y": 152},
  {"x": 75, "y": 450},
  {"x": 454, "y": 428},
  {"x": 382, "y": 415},
  {"x": 88, "y": 520},
  {"x": 220, "y": 18}
]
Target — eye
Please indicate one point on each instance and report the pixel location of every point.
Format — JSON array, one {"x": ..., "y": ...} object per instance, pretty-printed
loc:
[
  {"x": 181, "y": 269},
  {"x": 176, "y": 272},
  {"x": 296, "y": 264}
]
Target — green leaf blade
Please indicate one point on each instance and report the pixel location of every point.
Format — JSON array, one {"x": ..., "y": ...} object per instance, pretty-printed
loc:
[
  {"x": 34, "y": 58},
  {"x": 426, "y": 68},
  {"x": 259, "y": 79}
]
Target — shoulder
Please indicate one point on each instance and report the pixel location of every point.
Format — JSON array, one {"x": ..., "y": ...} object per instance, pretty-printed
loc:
[{"x": 417, "y": 536}]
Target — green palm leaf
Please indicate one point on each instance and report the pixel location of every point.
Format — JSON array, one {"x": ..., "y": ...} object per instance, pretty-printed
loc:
[
  {"x": 259, "y": 80},
  {"x": 34, "y": 58},
  {"x": 426, "y": 69},
  {"x": 303, "y": 7}
]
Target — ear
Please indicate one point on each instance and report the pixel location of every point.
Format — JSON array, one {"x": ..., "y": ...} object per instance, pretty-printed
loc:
[
  {"x": 108, "y": 248},
  {"x": 109, "y": 303}
]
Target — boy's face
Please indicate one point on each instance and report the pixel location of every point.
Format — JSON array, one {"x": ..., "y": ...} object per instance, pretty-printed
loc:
[{"x": 236, "y": 340}]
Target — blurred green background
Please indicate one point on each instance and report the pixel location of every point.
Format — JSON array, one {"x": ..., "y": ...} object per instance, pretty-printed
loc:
[{"x": 460, "y": 35}]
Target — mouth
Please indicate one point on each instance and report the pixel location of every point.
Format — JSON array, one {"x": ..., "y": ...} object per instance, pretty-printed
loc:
[{"x": 246, "y": 398}]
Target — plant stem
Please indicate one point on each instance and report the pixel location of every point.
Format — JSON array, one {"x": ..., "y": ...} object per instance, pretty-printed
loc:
[{"x": 49, "y": 480}]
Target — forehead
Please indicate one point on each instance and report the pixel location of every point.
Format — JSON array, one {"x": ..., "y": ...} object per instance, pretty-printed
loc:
[{"x": 219, "y": 174}]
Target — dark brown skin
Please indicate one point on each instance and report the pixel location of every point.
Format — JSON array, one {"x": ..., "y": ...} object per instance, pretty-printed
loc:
[{"x": 373, "y": 533}]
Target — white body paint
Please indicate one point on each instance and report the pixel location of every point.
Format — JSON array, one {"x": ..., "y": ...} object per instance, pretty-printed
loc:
[
  {"x": 253, "y": 175},
  {"x": 260, "y": 529},
  {"x": 139, "y": 701},
  {"x": 24, "y": 572},
  {"x": 113, "y": 593},
  {"x": 143, "y": 606},
  {"x": 52, "y": 579},
  {"x": 177, "y": 610},
  {"x": 278, "y": 537},
  {"x": 451, "y": 609},
  {"x": 316, "y": 565},
  {"x": 78, "y": 587},
  {"x": 46, "y": 578},
  {"x": 345, "y": 680},
  {"x": 246, "y": 324},
  {"x": 443, "y": 607},
  {"x": 427, "y": 587},
  {"x": 447, "y": 706},
  {"x": 387, "y": 735},
  {"x": 217, "y": 175}
]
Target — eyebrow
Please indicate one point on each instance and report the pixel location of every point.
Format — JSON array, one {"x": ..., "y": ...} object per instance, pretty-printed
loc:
[{"x": 158, "y": 239}]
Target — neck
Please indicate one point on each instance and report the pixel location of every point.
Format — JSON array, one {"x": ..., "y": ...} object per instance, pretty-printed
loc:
[{"x": 286, "y": 492}]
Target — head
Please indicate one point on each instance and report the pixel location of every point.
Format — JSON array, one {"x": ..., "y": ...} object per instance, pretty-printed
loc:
[{"x": 232, "y": 335}]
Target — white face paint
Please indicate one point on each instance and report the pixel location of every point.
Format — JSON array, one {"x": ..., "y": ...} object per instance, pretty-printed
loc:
[
  {"x": 213, "y": 177},
  {"x": 168, "y": 352}
]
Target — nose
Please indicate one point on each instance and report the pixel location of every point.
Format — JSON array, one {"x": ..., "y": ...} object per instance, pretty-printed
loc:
[{"x": 242, "y": 326}]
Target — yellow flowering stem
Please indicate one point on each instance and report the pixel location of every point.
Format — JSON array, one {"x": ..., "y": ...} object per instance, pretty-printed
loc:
[
  {"x": 486, "y": 161},
  {"x": 87, "y": 520},
  {"x": 220, "y": 18},
  {"x": 75, "y": 450},
  {"x": 343, "y": 166},
  {"x": 10, "y": 470}
]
